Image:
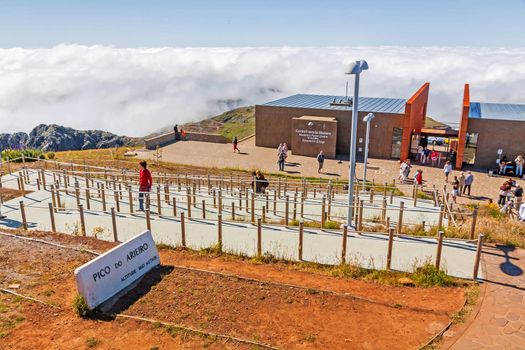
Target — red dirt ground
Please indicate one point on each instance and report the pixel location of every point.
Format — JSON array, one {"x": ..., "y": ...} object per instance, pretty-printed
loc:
[{"x": 284, "y": 317}]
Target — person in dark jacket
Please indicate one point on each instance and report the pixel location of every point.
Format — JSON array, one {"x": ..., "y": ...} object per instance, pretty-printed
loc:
[
  {"x": 235, "y": 142},
  {"x": 320, "y": 161}
]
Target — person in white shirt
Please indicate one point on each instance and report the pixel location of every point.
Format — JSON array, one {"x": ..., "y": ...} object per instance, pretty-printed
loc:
[
  {"x": 447, "y": 169},
  {"x": 519, "y": 165}
]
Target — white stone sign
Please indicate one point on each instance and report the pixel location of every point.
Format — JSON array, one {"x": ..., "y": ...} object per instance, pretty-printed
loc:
[{"x": 105, "y": 276}]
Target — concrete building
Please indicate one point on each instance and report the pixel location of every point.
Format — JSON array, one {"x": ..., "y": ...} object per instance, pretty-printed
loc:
[
  {"x": 489, "y": 131},
  {"x": 309, "y": 123}
]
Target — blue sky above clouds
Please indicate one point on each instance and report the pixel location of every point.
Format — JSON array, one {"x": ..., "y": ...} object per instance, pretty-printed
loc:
[{"x": 126, "y": 66}]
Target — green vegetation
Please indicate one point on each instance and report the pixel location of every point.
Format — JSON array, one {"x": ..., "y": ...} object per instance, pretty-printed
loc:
[
  {"x": 429, "y": 276},
  {"x": 238, "y": 122},
  {"x": 80, "y": 306},
  {"x": 28, "y": 153},
  {"x": 92, "y": 342}
]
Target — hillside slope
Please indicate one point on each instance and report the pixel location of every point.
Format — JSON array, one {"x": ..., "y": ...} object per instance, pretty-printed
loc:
[{"x": 59, "y": 138}]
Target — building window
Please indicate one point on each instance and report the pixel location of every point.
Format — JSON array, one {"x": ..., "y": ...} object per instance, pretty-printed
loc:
[
  {"x": 397, "y": 137},
  {"x": 471, "y": 145}
]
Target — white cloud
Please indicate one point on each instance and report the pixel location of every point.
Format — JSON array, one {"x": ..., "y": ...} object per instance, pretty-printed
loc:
[{"x": 136, "y": 91}]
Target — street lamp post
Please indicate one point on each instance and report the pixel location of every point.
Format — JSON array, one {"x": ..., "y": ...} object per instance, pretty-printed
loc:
[
  {"x": 367, "y": 120},
  {"x": 354, "y": 68}
]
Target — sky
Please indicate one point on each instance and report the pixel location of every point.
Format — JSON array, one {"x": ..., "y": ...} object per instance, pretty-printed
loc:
[{"x": 132, "y": 67}]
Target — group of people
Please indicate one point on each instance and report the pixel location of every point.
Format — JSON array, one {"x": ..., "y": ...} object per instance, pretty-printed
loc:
[
  {"x": 404, "y": 173},
  {"x": 460, "y": 184},
  {"x": 507, "y": 191},
  {"x": 259, "y": 182},
  {"x": 516, "y": 166},
  {"x": 427, "y": 157},
  {"x": 179, "y": 134}
]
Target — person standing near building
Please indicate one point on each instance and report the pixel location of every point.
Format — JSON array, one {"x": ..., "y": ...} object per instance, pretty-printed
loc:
[
  {"x": 145, "y": 182},
  {"x": 518, "y": 195},
  {"x": 461, "y": 183},
  {"x": 455, "y": 188},
  {"x": 235, "y": 142},
  {"x": 320, "y": 161},
  {"x": 434, "y": 156},
  {"x": 447, "y": 169},
  {"x": 176, "y": 131},
  {"x": 519, "y": 165},
  {"x": 469, "y": 179},
  {"x": 281, "y": 157}
]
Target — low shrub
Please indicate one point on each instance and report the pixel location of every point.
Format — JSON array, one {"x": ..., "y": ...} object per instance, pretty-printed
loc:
[
  {"x": 80, "y": 307},
  {"x": 429, "y": 276}
]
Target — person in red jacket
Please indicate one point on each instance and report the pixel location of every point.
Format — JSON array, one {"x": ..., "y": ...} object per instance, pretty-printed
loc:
[
  {"x": 419, "y": 177},
  {"x": 145, "y": 182}
]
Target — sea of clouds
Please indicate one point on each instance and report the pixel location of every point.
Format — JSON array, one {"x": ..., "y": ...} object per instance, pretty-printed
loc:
[{"x": 134, "y": 91}]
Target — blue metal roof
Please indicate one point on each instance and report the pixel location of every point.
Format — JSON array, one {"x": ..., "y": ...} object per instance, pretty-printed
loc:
[
  {"x": 366, "y": 104},
  {"x": 503, "y": 111}
]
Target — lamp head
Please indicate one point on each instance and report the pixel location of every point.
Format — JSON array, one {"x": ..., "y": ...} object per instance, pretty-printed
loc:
[
  {"x": 356, "y": 67},
  {"x": 368, "y": 117}
]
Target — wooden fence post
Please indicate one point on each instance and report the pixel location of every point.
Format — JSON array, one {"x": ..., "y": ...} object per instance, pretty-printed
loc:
[
  {"x": 479, "y": 250},
  {"x": 301, "y": 234},
  {"x": 103, "y": 194},
  {"x": 174, "y": 206},
  {"x": 52, "y": 217},
  {"x": 117, "y": 200},
  {"x": 182, "y": 229},
  {"x": 343, "y": 250},
  {"x": 148, "y": 219},
  {"x": 130, "y": 198},
  {"x": 400, "y": 218},
  {"x": 204, "y": 209},
  {"x": 259, "y": 237},
  {"x": 286, "y": 210},
  {"x": 360, "y": 216},
  {"x": 441, "y": 214},
  {"x": 82, "y": 220},
  {"x": 23, "y": 213},
  {"x": 389, "y": 251},
  {"x": 114, "y": 224},
  {"x": 473, "y": 226},
  {"x": 439, "y": 248},
  {"x": 323, "y": 210},
  {"x": 219, "y": 232}
]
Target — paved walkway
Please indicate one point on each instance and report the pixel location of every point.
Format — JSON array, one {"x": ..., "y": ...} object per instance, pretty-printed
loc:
[
  {"x": 253, "y": 157},
  {"x": 368, "y": 250},
  {"x": 500, "y": 323}
]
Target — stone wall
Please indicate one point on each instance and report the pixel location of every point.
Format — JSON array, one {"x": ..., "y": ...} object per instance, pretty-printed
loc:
[{"x": 165, "y": 139}]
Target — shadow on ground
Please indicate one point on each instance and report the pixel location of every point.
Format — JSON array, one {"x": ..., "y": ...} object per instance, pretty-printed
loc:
[{"x": 139, "y": 290}]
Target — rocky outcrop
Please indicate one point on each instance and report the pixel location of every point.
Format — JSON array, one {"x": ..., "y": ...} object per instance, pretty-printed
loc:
[{"x": 59, "y": 138}]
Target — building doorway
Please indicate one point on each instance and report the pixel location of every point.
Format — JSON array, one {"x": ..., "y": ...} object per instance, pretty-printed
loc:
[{"x": 397, "y": 138}]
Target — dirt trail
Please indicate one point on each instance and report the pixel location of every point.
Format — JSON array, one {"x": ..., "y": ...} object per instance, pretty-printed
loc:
[{"x": 284, "y": 317}]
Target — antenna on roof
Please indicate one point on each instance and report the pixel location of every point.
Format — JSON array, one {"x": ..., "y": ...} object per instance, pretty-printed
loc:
[{"x": 343, "y": 101}]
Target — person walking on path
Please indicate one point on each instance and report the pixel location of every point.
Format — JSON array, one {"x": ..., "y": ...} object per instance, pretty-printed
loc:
[
  {"x": 404, "y": 170},
  {"x": 145, "y": 182},
  {"x": 320, "y": 160},
  {"x": 469, "y": 179},
  {"x": 235, "y": 143},
  {"x": 447, "y": 169},
  {"x": 419, "y": 177},
  {"x": 455, "y": 188},
  {"x": 280, "y": 160},
  {"x": 461, "y": 183},
  {"x": 520, "y": 161}
]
